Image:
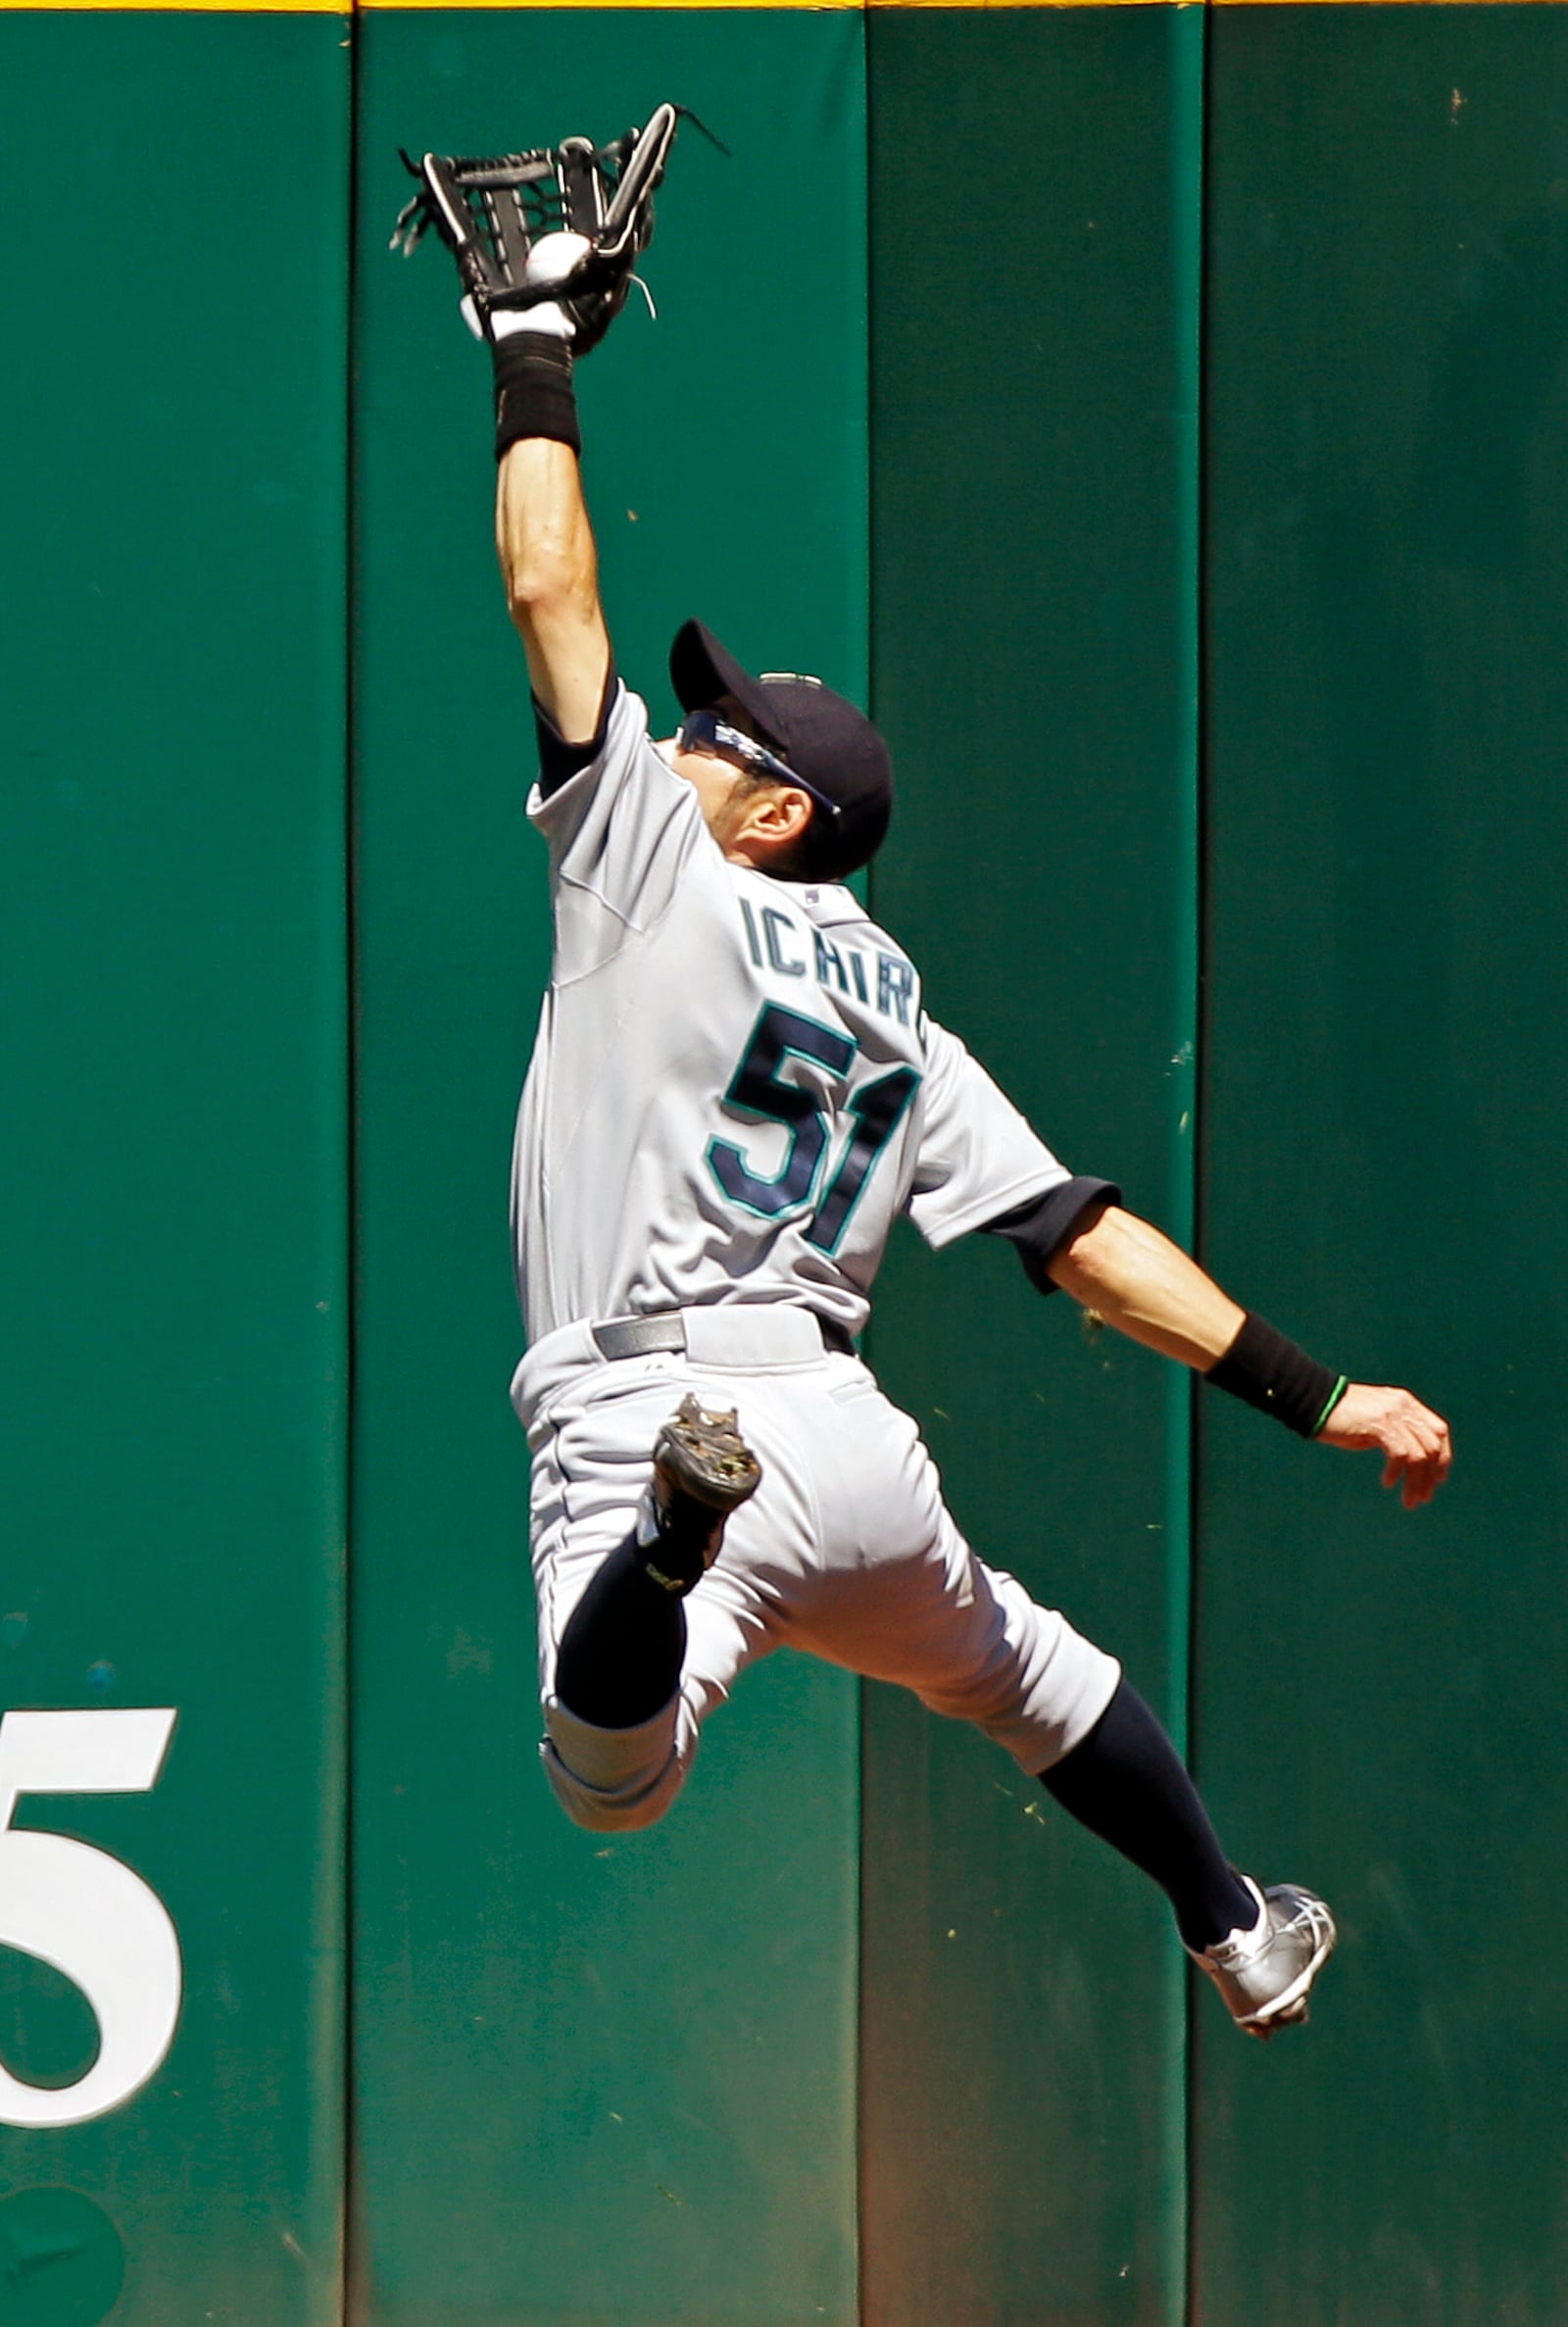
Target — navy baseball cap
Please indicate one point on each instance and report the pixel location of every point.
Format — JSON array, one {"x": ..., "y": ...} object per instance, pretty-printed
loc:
[{"x": 828, "y": 742}]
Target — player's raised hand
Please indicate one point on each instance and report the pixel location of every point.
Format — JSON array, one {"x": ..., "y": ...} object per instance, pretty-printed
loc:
[
  {"x": 1413, "y": 1439},
  {"x": 546, "y": 240}
]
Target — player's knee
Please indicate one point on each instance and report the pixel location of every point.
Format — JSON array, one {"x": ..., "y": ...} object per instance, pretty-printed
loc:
[
  {"x": 611, "y": 1781},
  {"x": 597, "y": 1815}
]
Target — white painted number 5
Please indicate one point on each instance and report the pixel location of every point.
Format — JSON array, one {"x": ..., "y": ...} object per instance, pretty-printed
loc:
[{"x": 83, "y": 1911}]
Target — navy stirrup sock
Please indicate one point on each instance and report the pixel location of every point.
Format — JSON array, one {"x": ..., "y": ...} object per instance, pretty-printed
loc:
[
  {"x": 1126, "y": 1783},
  {"x": 619, "y": 1659},
  {"x": 619, "y": 1663}
]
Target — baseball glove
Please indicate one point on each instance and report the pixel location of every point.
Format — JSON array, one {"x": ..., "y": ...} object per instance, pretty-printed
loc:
[{"x": 494, "y": 215}]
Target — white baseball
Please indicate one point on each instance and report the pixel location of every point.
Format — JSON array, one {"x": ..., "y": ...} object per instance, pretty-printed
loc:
[{"x": 553, "y": 257}]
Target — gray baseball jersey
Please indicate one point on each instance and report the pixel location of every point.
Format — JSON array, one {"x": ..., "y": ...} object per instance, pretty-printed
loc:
[{"x": 735, "y": 1088}]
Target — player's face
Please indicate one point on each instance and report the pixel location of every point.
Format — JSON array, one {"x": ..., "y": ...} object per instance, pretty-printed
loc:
[
  {"x": 711, "y": 776},
  {"x": 751, "y": 824}
]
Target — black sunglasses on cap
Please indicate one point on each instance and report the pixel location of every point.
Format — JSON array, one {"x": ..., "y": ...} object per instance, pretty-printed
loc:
[{"x": 706, "y": 731}]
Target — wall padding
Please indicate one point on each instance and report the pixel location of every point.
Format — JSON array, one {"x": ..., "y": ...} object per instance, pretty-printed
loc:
[
  {"x": 173, "y": 923},
  {"x": 1381, "y": 1707},
  {"x": 1034, "y": 333}
]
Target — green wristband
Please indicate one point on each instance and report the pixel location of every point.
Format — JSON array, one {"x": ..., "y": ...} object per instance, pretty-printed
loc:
[{"x": 1335, "y": 1395}]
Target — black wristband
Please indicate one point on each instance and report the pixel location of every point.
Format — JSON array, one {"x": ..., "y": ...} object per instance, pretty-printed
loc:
[
  {"x": 534, "y": 394},
  {"x": 1266, "y": 1370}
]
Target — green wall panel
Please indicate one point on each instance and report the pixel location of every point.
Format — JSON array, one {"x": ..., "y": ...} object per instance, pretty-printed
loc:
[
  {"x": 1381, "y": 1707},
  {"x": 171, "y": 920},
  {"x": 602, "y": 2079},
  {"x": 597, "y": 2078},
  {"x": 1035, "y": 334}
]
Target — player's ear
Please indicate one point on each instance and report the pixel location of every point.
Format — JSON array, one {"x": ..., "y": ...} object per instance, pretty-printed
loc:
[
  {"x": 789, "y": 814},
  {"x": 793, "y": 814},
  {"x": 775, "y": 820}
]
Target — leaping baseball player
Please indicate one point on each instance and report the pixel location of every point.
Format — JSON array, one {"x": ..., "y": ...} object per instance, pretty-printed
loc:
[{"x": 744, "y": 1058}]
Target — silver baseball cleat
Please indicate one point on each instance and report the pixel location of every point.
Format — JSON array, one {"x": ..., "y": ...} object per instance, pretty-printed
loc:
[{"x": 1265, "y": 1975}]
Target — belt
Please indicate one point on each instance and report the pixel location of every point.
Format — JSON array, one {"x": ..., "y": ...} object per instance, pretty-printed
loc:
[{"x": 643, "y": 1337}]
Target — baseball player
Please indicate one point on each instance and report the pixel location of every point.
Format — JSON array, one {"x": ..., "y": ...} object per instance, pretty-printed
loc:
[{"x": 736, "y": 1088}]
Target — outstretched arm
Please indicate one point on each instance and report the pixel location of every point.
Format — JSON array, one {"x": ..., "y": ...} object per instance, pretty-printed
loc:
[
  {"x": 1148, "y": 1289},
  {"x": 545, "y": 243},
  {"x": 551, "y": 570}
]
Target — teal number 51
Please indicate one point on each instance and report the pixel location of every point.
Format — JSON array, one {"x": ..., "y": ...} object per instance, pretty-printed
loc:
[{"x": 757, "y": 1089}]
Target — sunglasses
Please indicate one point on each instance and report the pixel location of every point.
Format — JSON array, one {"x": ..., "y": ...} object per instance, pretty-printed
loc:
[{"x": 706, "y": 731}]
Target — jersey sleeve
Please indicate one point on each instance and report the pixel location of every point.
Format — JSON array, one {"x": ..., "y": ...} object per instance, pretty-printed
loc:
[
  {"x": 977, "y": 1157},
  {"x": 620, "y": 830}
]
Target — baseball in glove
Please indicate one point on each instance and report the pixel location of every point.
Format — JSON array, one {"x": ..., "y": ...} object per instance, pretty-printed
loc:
[{"x": 561, "y": 226}]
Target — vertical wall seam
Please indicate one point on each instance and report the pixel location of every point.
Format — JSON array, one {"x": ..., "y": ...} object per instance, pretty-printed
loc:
[
  {"x": 348, "y": 2243},
  {"x": 1189, "y": 108},
  {"x": 860, "y": 1902},
  {"x": 1194, "y": 2037}
]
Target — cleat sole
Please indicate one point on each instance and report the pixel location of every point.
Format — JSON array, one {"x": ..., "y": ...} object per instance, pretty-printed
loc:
[{"x": 702, "y": 1453}]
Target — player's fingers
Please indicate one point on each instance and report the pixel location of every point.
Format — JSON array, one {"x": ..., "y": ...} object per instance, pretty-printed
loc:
[
  {"x": 1407, "y": 1469},
  {"x": 1436, "y": 1468},
  {"x": 1429, "y": 1481},
  {"x": 1433, "y": 1471},
  {"x": 1424, "y": 1463},
  {"x": 1432, "y": 1433},
  {"x": 1434, "y": 1449},
  {"x": 1419, "y": 1448}
]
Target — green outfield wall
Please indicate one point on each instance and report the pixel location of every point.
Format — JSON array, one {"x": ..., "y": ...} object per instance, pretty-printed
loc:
[
  {"x": 1034, "y": 568},
  {"x": 1160, "y": 413},
  {"x": 175, "y": 1204},
  {"x": 1387, "y": 451}
]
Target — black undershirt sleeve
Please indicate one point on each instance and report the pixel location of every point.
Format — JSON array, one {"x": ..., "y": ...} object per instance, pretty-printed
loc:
[
  {"x": 1042, "y": 1226},
  {"x": 559, "y": 760}
]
